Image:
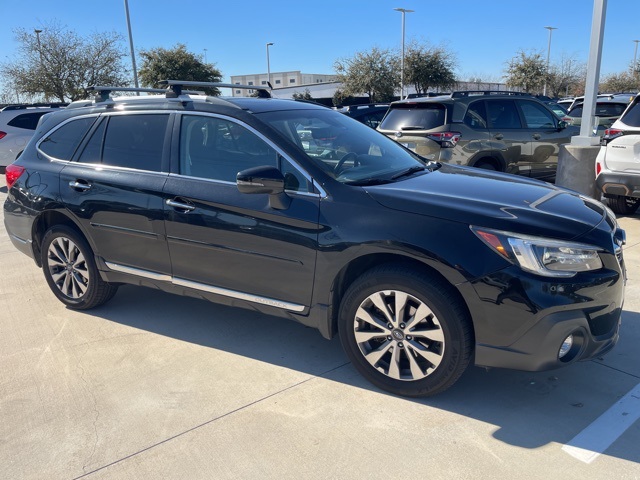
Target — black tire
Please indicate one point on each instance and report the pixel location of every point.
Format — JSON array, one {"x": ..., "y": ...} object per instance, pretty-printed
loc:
[
  {"x": 486, "y": 165},
  {"x": 430, "y": 344},
  {"x": 623, "y": 205},
  {"x": 70, "y": 269}
]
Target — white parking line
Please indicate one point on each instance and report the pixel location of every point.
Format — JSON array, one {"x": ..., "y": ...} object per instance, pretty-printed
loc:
[{"x": 597, "y": 437}]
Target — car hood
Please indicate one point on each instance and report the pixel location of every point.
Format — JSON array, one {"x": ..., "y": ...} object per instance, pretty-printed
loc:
[{"x": 495, "y": 200}]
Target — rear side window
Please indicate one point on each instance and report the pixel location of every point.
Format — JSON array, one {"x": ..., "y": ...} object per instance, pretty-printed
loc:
[
  {"x": 415, "y": 116},
  {"x": 28, "y": 121},
  {"x": 131, "y": 141},
  {"x": 632, "y": 117},
  {"x": 503, "y": 114},
  {"x": 62, "y": 142}
]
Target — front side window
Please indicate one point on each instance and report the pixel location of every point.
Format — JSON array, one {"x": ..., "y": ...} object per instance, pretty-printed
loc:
[
  {"x": 536, "y": 116},
  {"x": 217, "y": 149},
  {"x": 130, "y": 141},
  {"x": 62, "y": 142}
]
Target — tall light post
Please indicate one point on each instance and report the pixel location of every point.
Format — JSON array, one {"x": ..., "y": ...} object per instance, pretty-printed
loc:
[
  {"x": 268, "y": 64},
  {"x": 403, "y": 11},
  {"x": 551, "y": 29},
  {"x": 133, "y": 55},
  {"x": 205, "y": 55},
  {"x": 634, "y": 70},
  {"x": 38, "y": 32}
]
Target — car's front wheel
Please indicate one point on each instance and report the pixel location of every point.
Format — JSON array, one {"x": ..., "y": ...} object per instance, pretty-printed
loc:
[
  {"x": 70, "y": 270},
  {"x": 407, "y": 332},
  {"x": 623, "y": 205}
]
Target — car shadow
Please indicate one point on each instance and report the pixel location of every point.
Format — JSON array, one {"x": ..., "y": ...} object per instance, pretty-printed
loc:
[{"x": 529, "y": 409}]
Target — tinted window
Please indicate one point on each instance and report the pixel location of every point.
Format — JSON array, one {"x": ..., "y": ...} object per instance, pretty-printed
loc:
[
  {"x": 632, "y": 117},
  {"x": 476, "y": 116},
  {"x": 28, "y": 121},
  {"x": 503, "y": 114},
  {"x": 414, "y": 116},
  {"x": 92, "y": 152},
  {"x": 218, "y": 149},
  {"x": 536, "y": 116},
  {"x": 602, "y": 110},
  {"x": 62, "y": 143},
  {"x": 134, "y": 141}
]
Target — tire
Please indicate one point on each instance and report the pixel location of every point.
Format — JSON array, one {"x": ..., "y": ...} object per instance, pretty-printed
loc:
[
  {"x": 623, "y": 205},
  {"x": 70, "y": 269},
  {"x": 486, "y": 165},
  {"x": 407, "y": 356}
]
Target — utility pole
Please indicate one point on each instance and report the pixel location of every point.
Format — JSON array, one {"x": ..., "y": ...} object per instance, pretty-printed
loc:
[
  {"x": 403, "y": 11},
  {"x": 268, "y": 65}
]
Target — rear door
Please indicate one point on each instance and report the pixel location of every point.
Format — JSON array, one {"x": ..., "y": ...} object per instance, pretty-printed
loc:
[
  {"x": 233, "y": 244},
  {"x": 511, "y": 139},
  {"x": 114, "y": 190}
]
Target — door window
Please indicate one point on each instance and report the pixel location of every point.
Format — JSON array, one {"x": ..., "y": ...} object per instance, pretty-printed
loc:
[
  {"x": 503, "y": 114},
  {"x": 62, "y": 142},
  {"x": 476, "y": 115},
  {"x": 536, "y": 116}
]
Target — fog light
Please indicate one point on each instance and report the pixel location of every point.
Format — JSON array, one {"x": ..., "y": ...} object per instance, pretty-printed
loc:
[{"x": 566, "y": 346}]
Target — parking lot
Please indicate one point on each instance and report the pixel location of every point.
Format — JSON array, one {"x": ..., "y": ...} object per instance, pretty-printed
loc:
[{"x": 159, "y": 386}]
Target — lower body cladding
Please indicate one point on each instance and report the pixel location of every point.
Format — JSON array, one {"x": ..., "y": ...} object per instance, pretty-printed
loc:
[{"x": 532, "y": 323}]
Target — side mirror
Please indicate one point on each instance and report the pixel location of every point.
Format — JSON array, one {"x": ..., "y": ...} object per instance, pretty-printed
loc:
[
  {"x": 264, "y": 180},
  {"x": 562, "y": 125}
]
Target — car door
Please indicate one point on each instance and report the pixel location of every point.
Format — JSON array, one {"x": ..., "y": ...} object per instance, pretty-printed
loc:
[
  {"x": 234, "y": 244},
  {"x": 510, "y": 139},
  {"x": 546, "y": 138},
  {"x": 114, "y": 190}
]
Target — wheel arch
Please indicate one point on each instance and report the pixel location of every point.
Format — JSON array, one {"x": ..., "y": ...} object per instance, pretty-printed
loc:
[
  {"x": 44, "y": 222},
  {"x": 497, "y": 161},
  {"x": 358, "y": 266}
]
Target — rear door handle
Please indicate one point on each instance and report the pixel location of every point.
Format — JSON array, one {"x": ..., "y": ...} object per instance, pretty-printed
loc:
[
  {"x": 187, "y": 207},
  {"x": 79, "y": 185},
  {"x": 498, "y": 136}
]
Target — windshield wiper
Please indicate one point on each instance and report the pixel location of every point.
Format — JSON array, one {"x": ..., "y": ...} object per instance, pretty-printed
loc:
[
  {"x": 408, "y": 171},
  {"x": 412, "y": 127},
  {"x": 368, "y": 181}
]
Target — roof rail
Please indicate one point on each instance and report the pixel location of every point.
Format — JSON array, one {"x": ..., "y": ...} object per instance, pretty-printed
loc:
[
  {"x": 177, "y": 86},
  {"x": 473, "y": 93},
  {"x": 103, "y": 92},
  {"x": 25, "y": 106}
]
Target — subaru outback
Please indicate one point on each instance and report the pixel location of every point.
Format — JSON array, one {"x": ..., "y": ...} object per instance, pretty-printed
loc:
[{"x": 299, "y": 211}]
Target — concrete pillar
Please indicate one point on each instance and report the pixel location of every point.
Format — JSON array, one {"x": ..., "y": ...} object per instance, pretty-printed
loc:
[{"x": 576, "y": 169}]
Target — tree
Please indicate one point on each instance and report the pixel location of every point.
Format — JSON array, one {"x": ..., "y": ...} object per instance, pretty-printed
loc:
[
  {"x": 619, "y": 82},
  {"x": 375, "y": 74},
  {"x": 527, "y": 71},
  {"x": 302, "y": 96},
  {"x": 57, "y": 63},
  {"x": 426, "y": 67},
  {"x": 176, "y": 64},
  {"x": 566, "y": 77}
]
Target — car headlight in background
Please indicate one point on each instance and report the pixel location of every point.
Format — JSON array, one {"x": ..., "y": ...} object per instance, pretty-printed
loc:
[{"x": 542, "y": 256}]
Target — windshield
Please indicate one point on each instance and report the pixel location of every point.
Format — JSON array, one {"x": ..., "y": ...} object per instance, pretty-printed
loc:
[{"x": 346, "y": 149}]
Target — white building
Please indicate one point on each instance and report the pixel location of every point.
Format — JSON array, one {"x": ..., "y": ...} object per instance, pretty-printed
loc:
[{"x": 278, "y": 80}]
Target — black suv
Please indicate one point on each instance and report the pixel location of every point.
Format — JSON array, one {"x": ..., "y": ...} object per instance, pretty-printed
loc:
[
  {"x": 509, "y": 132},
  {"x": 299, "y": 211}
]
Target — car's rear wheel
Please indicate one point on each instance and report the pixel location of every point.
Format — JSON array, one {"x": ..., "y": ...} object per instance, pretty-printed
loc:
[
  {"x": 406, "y": 332},
  {"x": 623, "y": 205},
  {"x": 486, "y": 165},
  {"x": 70, "y": 270}
]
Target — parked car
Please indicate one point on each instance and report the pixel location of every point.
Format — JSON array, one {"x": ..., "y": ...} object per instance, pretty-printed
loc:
[
  {"x": 503, "y": 131},
  {"x": 608, "y": 110},
  {"x": 370, "y": 114},
  {"x": 617, "y": 172},
  {"x": 420, "y": 267},
  {"x": 17, "y": 124}
]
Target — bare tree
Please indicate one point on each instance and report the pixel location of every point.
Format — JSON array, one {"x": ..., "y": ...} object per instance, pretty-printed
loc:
[
  {"x": 57, "y": 63},
  {"x": 619, "y": 82},
  {"x": 566, "y": 77}
]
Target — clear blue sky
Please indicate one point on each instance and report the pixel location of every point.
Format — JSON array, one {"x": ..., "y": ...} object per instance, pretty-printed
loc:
[{"x": 311, "y": 35}]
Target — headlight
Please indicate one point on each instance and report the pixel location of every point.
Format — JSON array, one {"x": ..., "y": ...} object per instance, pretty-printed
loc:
[{"x": 543, "y": 256}]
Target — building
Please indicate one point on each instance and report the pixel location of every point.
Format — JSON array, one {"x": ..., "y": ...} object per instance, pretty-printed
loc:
[{"x": 278, "y": 80}]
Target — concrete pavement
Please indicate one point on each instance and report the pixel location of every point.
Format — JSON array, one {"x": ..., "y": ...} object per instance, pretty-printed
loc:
[{"x": 159, "y": 386}]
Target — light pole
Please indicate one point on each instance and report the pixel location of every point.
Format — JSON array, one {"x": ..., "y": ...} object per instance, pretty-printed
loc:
[
  {"x": 634, "y": 69},
  {"x": 551, "y": 29},
  {"x": 268, "y": 65},
  {"x": 403, "y": 11},
  {"x": 38, "y": 32},
  {"x": 205, "y": 55},
  {"x": 133, "y": 55}
]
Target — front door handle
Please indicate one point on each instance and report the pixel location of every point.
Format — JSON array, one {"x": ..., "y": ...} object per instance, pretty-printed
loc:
[
  {"x": 180, "y": 205},
  {"x": 498, "y": 136},
  {"x": 79, "y": 185},
  {"x": 537, "y": 136}
]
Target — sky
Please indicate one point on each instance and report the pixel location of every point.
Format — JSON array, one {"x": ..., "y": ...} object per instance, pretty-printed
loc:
[{"x": 311, "y": 35}]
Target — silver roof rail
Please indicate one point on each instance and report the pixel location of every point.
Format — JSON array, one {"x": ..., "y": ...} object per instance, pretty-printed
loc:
[{"x": 177, "y": 86}]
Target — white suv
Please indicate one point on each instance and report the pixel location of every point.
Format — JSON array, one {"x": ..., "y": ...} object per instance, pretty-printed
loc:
[
  {"x": 618, "y": 162},
  {"x": 17, "y": 125}
]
